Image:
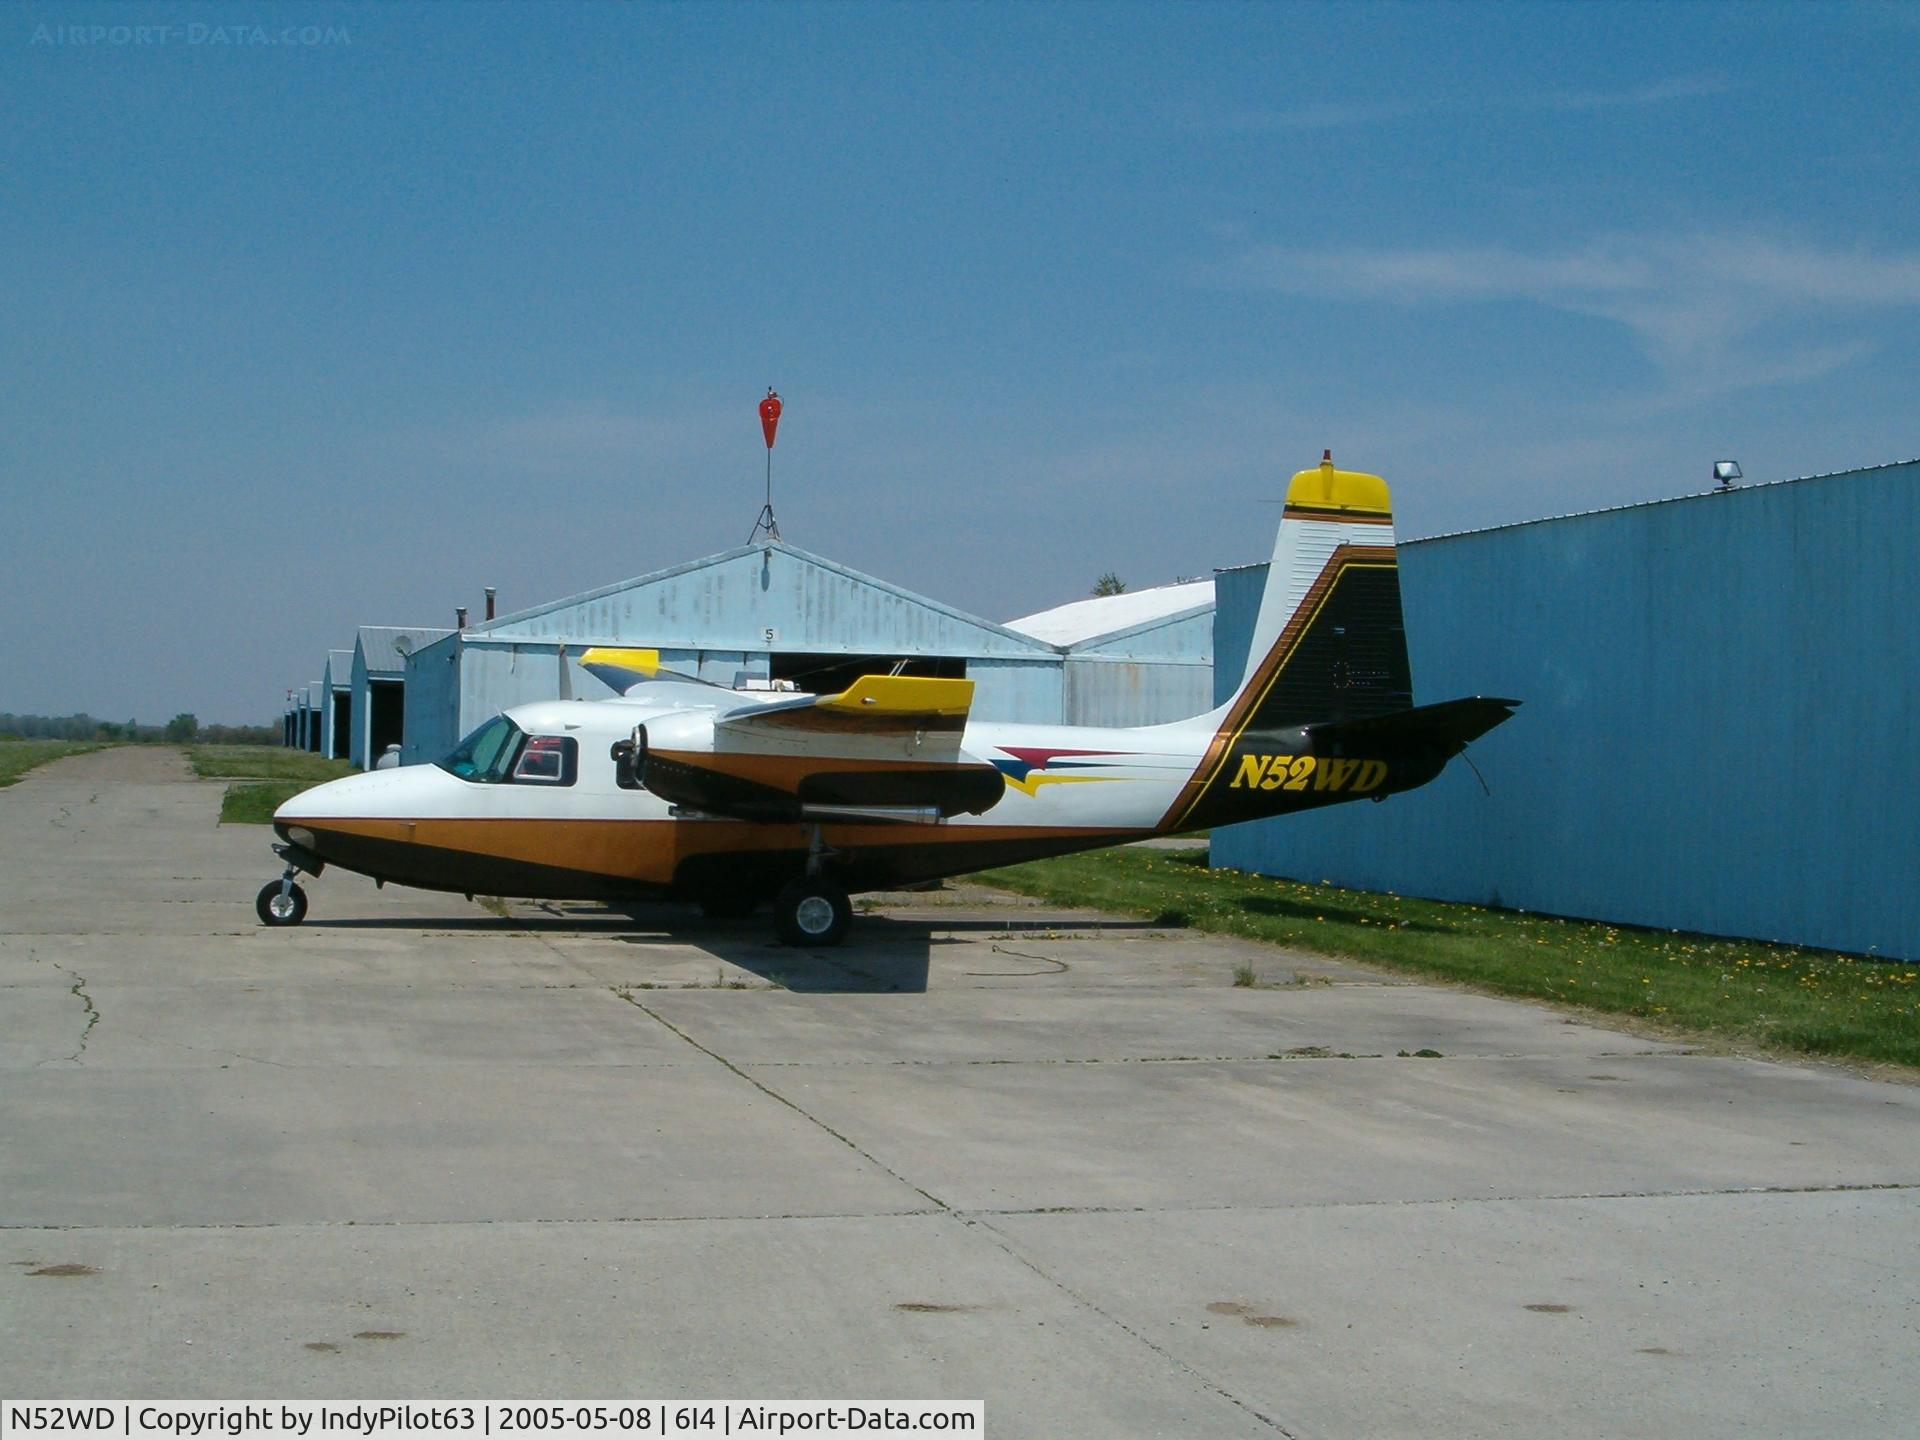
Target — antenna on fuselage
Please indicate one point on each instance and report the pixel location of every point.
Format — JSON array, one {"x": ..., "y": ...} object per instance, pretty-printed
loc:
[{"x": 769, "y": 422}]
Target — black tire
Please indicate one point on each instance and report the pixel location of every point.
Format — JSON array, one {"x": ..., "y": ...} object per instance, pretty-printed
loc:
[
  {"x": 267, "y": 905},
  {"x": 811, "y": 914}
]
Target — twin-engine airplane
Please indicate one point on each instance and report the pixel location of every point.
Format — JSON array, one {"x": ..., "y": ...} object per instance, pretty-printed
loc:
[{"x": 683, "y": 790}]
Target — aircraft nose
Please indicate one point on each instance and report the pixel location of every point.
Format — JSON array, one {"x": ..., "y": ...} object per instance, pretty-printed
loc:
[
  {"x": 315, "y": 803},
  {"x": 381, "y": 793}
]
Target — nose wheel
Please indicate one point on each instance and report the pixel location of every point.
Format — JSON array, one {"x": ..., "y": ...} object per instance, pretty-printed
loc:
[
  {"x": 281, "y": 902},
  {"x": 812, "y": 912}
]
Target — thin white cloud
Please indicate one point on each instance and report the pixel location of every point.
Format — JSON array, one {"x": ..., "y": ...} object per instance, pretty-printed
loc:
[
  {"x": 1713, "y": 311},
  {"x": 1346, "y": 114},
  {"x": 1659, "y": 92}
]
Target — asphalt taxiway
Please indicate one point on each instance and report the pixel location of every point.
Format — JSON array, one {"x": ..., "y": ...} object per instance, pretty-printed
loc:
[{"x": 986, "y": 1149}]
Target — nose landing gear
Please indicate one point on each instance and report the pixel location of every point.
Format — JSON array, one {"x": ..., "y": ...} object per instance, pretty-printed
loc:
[{"x": 281, "y": 902}]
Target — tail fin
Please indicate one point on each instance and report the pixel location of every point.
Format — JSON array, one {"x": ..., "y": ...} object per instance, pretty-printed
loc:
[{"x": 1329, "y": 643}]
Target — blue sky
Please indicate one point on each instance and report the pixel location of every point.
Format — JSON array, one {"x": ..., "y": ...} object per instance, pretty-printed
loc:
[{"x": 329, "y": 331}]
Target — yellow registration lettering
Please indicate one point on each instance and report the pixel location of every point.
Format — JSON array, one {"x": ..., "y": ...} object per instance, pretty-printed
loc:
[
  {"x": 1333, "y": 774},
  {"x": 1372, "y": 772},
  {"x": 1251, "y": 768},
  {"x": 1276, "y": 772},
  {"x": 1297, "y": 776}
]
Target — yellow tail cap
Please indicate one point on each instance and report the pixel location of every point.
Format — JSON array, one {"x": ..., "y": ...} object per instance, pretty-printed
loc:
[{"x": 1325, "y": 488}]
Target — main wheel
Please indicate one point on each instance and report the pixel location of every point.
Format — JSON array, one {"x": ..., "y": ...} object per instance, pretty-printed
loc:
[
  {"x": 273, "y": 908},
  {"x": 811, "y": 913}
]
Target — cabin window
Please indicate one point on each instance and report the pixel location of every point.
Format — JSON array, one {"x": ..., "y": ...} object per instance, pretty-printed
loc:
[
  {"x": 547, "y": 760},
  {"x": 485, "y": 756}
]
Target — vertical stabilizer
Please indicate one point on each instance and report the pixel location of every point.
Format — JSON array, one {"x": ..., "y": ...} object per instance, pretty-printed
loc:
[{"x": 1329, "y": 644}]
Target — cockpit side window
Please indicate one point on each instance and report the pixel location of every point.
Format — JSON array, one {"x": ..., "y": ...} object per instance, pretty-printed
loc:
[
  {"x": 486, "y": 756},
  {"x": 547, "y": 760}
]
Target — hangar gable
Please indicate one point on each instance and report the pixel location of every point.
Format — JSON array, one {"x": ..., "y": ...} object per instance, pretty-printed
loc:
[{"x": 766, "y": 596}]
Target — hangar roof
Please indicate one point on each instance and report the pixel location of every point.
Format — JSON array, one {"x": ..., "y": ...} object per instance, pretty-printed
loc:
[
  {"x": 1742, "y": 488},
  {"x": 339, "y": 671},
  {"x": 1080, "y": 621},
  {"x": 384, "y": 648},
  {"x": 731, "y": 599}
]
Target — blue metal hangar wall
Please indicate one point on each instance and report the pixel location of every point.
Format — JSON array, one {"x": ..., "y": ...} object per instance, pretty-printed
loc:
[
  {"x": 377, "y": 684},
  {"x": 336, "y": 721},
  {"x": 772, "y": 612},
  {"x": 1722, "y": 704}
]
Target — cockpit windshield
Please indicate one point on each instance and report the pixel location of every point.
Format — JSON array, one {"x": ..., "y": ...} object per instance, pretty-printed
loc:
[{"x": 486, "y": 756}]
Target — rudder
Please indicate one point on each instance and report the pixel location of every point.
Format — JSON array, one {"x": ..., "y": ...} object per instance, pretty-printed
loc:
[{"x": 1330, "y": 642}]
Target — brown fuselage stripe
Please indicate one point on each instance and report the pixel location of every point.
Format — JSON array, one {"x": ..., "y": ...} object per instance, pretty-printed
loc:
[
  {"x": 1338, "y": 517},
  {"x": 651, "y": 851},
  {"x": 1269, "y": 672}
]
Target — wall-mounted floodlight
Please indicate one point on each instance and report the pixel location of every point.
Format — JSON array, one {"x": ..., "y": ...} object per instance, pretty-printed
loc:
[{"x": 1726, "y": 472}]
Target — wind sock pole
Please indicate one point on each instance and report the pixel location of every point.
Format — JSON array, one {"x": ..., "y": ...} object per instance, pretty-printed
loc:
[{"x": 769, "y": 422}]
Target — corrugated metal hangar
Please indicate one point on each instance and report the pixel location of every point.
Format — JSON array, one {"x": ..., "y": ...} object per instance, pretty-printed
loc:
[
  {"x": 336, "y": 721},
  {"x": 1722, "y": 695},
  {"x": 379, "y": 684},
  {"x": 1138, "y": 658},
  {"x": 774, "y": 612},
  {"x": 309, "y": 716},
  {"x": 306, "y": 716}
]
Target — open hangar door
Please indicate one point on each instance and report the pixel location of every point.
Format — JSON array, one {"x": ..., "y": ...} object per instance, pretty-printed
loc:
[{"x": 822, "y": 674}]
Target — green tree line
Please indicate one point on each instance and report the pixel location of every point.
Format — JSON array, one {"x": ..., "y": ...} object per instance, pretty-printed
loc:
[{"x": 182, "y": 729}]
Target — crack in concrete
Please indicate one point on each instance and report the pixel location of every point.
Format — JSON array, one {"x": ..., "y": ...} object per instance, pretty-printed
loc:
[
  {"x": 204, "y": 1050},
  {"x": 772, "y": 1094},
  {"x": 970, "y": 1215},
  {"x": 1000, "y": 1242},
  {"x": 1005, "y": 1245},
  {"x": 78, "y": 990},
  {"x": 1261, "y": 1059}
]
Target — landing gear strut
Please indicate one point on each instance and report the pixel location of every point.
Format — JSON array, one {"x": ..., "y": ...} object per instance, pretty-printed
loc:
[
  {"x": 281, "y": 902},
  {"x": 813, "y": 911}
]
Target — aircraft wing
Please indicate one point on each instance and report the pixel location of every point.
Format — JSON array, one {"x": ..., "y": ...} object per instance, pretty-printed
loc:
[
  {"x": 886, "y": 748},
  {"x": 625, "y": 670},
  {"x": 897, "y": 707}
]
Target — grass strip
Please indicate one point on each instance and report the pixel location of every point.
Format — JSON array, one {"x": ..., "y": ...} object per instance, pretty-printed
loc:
[
  {"x": 1750, "y": 995},
  {"x": 263, "y": 762},
  {"x": 17, "y": 757},
  {"x": 253, "y": 802}
]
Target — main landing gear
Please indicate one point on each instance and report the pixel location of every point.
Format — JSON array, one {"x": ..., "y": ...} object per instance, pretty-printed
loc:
[{"x": 813, "y": 911}]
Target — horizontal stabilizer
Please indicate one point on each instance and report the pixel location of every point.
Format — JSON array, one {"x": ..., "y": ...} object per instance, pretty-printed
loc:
[{"x": 1448, "y": 727}]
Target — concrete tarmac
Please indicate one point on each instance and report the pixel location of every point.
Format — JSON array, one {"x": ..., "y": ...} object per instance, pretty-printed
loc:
[{"x": 986, "y": 1149}]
